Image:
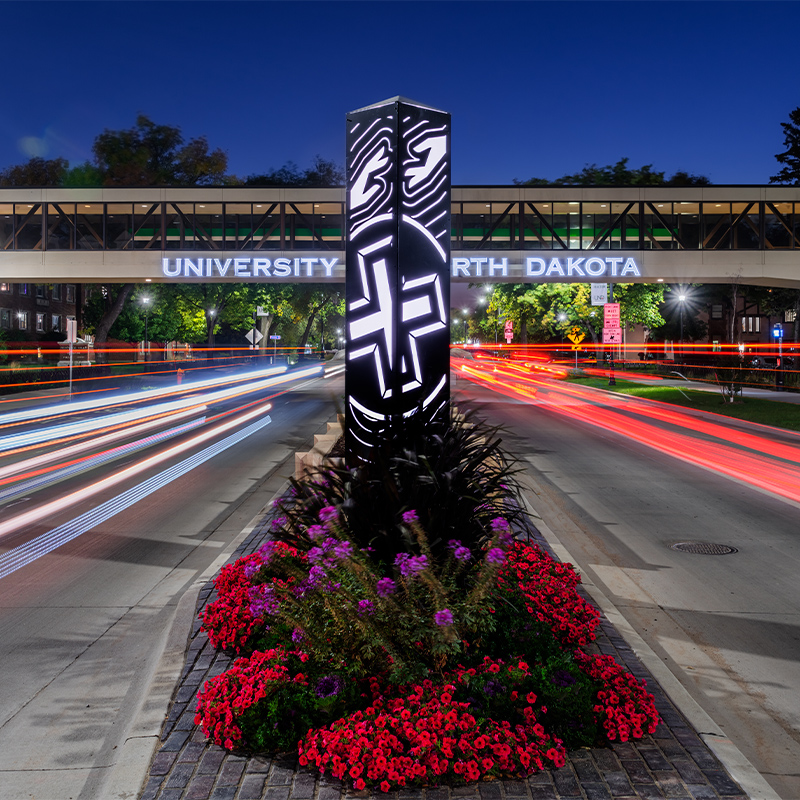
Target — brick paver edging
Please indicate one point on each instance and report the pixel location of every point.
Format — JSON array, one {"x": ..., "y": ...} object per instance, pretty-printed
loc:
[{"x": 673, "y": 763}]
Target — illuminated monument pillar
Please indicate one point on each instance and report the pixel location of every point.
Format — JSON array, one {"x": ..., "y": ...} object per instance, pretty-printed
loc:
[{"x": 398, "y": 269}]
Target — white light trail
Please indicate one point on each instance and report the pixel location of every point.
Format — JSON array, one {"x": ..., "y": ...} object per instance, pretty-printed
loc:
[
  {"x": 85, "y": 464},
  {"x": 39, "y": 413},
  {"x": 24, "y": 554},
  {"x": 57, "y": 506}
]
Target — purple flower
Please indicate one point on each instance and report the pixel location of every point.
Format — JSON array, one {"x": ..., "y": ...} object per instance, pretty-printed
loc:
[
  {"x": 366, "y": 608},
  {"x": 498, "y": 523},
  {"x": 315, "y": 531},
  {"x": 495, "y": 556},
  {"x": 443, "y": 617},
  {"x": 343, "y": 550},
  {"x": 328, "y": 513},
  {"x": 266, "y": 550},
  {"x": 563, "y": 678},
  {"x": 410, "y": 565},
  {"x": 298, "y": 636},
  {"x": 277, "y": 523},
  {"x": 410, "y": 517},
  {"x": 493, "y": 688},
  {"x": 386, "y": 587},
  {"x": 462, "y": 554},
  {"x": 262, "y": 600},
  {"x": 329, "y": 686},
  {"x": 250, "y": 569}
]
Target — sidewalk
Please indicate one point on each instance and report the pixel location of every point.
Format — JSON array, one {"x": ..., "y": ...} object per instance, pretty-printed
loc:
[{"x": 675, "y": 762}]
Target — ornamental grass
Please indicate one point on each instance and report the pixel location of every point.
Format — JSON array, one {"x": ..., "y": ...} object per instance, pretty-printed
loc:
[{"x": 395, "y": 645}]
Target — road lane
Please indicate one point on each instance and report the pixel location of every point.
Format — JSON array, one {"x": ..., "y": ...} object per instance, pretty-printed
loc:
[
  {"x": 727, "y": 626},
  {"x": 82, "y": 626}
]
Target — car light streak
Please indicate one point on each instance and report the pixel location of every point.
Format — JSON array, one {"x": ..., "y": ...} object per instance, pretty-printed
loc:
[
  {"x": 31, "y": 482},
  {"x": 43, "y": 412},
  {"x": 41, "y": 512},
  {"x": 34, "y": 465},
  {"x": 758, "y": 461},
  {"x": 70, "y": 430},
  {"x": 28, "y": 552}
]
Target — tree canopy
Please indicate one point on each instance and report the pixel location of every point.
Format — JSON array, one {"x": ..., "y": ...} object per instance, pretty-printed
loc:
[
  {"x": 619, "y": 174},
  {"x": 790, "y": 158}
]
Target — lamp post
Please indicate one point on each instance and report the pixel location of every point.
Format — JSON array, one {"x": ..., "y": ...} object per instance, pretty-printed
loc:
[
  {"x": 211, "y": 314},
  {"x": 466, "y": 312},
  {"x": 146, "y": 304}
]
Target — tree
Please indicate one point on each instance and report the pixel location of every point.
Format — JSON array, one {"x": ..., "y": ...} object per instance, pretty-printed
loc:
[
  {"x": 619, "y": 174},
  {"x": 155, "y": 155},
  {"x": 790, "y": 158},
  {"x": 35, "y": 172},
  {"x": 104, "y": 306},
  {"x": 320, "y": 173}
]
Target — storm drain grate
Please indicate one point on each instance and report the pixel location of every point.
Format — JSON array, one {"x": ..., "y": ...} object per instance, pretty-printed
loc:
[{"x": 704, "y": 548}]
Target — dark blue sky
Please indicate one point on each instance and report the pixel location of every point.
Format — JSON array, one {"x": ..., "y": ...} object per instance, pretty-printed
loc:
[{"x": 534, "y": 88}]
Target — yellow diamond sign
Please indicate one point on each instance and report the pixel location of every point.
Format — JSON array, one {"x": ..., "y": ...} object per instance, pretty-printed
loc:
[{"x": 576, "y": 335}]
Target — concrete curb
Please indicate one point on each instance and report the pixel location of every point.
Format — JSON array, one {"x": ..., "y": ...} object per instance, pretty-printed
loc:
[
  {"x": 734, "y": 761},
  {"x": 128, "y": 775}
]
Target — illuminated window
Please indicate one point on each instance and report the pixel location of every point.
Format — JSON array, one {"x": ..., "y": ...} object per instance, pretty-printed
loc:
[
  {"x": 22, "y": 320},
  {"x": 751, "y": 324},
  {"x": 5, "y": 287},
  {"x": 23, "y": 288},
  {"x": 56, "y": 319},
  {"x": 39, "y": 323},
  {"x": 789, "y": 316}
]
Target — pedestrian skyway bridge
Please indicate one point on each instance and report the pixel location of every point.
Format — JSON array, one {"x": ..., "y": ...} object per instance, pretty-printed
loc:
[{"x": 710, "y": 234}]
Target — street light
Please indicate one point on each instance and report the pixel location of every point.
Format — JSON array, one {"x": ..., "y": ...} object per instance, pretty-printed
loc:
[
  {"x": 682, "y": 298},
  {"x": 146, "y": 304},
  {"x": 466, "y": 312}
]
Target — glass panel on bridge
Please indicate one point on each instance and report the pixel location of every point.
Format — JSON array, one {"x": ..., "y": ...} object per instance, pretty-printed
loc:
[
  {"x": 6, "y": 226},
  {"x": 28, "y": 226},
  {"x": 61, "y": 226},
  {"x": 147, "y": 223},
  {"x": 89, "y": 226},
  {"x": 267, "y": 230},
  {"x": 119, "y": 226},
  {"x": 782, "y": 226}
]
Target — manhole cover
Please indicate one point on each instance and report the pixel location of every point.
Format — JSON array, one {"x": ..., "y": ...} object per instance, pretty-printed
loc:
[{"x": 704, "y": 548}]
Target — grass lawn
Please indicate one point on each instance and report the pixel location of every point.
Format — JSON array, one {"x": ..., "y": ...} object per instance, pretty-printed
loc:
[{"x": 765, "y": 412}]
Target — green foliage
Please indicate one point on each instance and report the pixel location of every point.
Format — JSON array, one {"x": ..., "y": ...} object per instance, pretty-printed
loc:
[
  {"x": 155, "y": 155},
  {"x": 619, "y": 174},
  {"x": 790, "y": 157},
  {"x": 320, "y": 173},
  {"x": 35, "y": 172},
  {"x": 453, "y": 473}
]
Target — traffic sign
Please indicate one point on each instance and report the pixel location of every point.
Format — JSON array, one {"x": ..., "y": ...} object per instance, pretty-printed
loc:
[
  {"x": 275, "y": 336},
  {"x": 576, "y": 336},
  {"x": 612, "y": 335},
  {"x": 576, "y": 347},
  {"x": 254, "y": 336},
  {"x": 260, "y": 312},
  {"x": 509, "y": 328},
  {"x": 611, "y": 315}
]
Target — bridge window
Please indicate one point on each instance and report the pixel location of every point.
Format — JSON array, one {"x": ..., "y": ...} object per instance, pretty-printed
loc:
[
  {"x": 6, "y": 226},
  {"x": 28, "y": 226},
  {"x": 267, "y": 226},
  {"x": 61, "y": 226},
  {"x": 89, "y": 226},
  {"x": 119, "y": 226},
  {"x": 147, "y": 227},
  {"x": 781, "y": 226}
]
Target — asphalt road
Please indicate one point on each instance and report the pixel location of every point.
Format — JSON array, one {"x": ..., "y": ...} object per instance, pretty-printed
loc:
[
  {"x": 727, "y": 626},
  {"x": 82, "y": 627}
]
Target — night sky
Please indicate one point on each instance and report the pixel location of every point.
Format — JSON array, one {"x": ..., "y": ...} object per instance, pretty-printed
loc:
[{"x": 534, "y": 88}]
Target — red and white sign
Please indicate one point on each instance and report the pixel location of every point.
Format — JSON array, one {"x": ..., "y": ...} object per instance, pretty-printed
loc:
[
  {"x": 611, "y": 315},
  {"x": 612, "y": 335},
  {"x": 509, "y": 327}
]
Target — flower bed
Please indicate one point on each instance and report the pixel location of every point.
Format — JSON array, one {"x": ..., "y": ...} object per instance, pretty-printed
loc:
[{"x": 412, "y": 659}]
